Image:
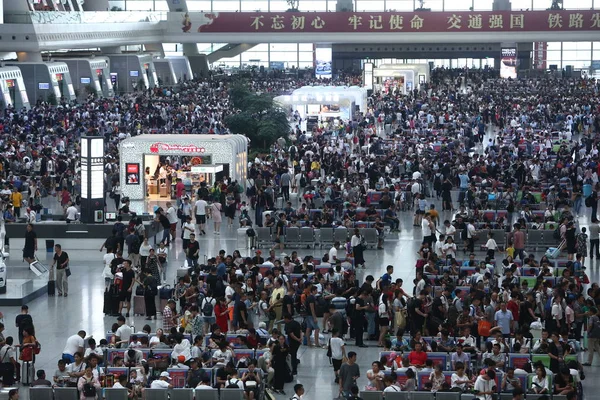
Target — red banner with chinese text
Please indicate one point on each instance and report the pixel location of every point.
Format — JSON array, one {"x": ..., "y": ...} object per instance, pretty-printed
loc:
[
  {"x": 363, "y": 22},
  {"x": 540, "y": 53}
]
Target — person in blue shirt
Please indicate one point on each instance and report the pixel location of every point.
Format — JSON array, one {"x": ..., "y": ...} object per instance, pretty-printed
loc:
[{"x": 386, "y": 279}]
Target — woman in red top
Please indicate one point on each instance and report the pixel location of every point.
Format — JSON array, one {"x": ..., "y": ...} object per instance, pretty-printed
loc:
[{"x": 222, "y": 314}]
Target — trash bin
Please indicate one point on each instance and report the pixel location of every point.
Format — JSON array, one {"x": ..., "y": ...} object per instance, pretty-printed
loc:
[{"x": 50, "y": 246}]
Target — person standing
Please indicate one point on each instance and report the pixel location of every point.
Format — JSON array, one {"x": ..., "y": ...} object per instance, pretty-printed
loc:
[
  {"x": 61, "y": 260},
  {"x": 150, "y": 292},
  {"x": 17, "y": 200},
  {"x": 172, "y": 217},
  {"x": 593, "y": 335},
  {"x": 23, "y": 321},
  {"x": 349, "y": 373},
  {"x": 215, "y": 212},
  {"x": 294, "y": 333},
  {"x": 200, "y": 213},
  {"x": 358, "y": 318},
  {"x": 357, "y": 248},
  {"x": 518, "y": 241},
  {"x": 192, "y": 252},
  {"x": 127, "y": 288},
  {"x": 71, "y": 213},
  {"x": 30, "y": 244},
  {"x": 284, "y": 180},
  {"x": 594, "y": 239}
]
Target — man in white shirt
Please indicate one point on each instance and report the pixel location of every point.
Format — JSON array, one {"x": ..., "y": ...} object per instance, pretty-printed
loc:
[
  {"x": 333, "y": 252},
  {"x": 162, "y": 382},
  {"x": 74, "y": 344},
  {"x": 71, "y": 213},
  {"x": 187, "y": 229},
  {"x": 123, "y": 333},
  {"x": 200, "y": 213},
  {"x": 172, "y": 217}
]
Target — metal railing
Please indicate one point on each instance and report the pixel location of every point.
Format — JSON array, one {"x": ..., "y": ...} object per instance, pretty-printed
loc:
[{"x": 84, "y": 17}]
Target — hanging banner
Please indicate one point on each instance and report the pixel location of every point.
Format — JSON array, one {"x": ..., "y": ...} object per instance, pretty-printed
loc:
[
  {"x": 540, "y": 52},
  {"x": 508, "y": 63}
]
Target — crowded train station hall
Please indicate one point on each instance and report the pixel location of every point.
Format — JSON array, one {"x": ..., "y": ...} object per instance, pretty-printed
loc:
[{"x": 259, "y": 200}]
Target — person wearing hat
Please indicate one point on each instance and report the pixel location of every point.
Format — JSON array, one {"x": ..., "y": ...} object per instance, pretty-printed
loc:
[
  {"x": 257, "y": 259},
  {"x": 162, "y": 382}
]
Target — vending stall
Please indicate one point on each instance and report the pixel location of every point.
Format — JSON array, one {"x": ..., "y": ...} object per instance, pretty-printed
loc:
[
  {"x": 399, "y": 78},
  {"x": 193, "y": 158},
  {"x": 324, "y": 103}
]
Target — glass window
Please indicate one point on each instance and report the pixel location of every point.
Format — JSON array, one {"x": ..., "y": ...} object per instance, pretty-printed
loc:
[
  {"x": 576, "y": 63},
  {"x": 198, "y": 5},
  {"x": 278, "y": 5},
  {"x": 553, "y": 46},
  {"x": 577, "y": 55},
  {"x": 284, "y": 56},
  {"x": 255, "y": 55},
  {"x": 226, "y": 5},
  {"x": 230, "y": 60},
  {"x": 540, "y": 4},
  {"x": 483, "y": 5},
  {"x": 581, "y": 5},
  {"x": 369, "y": 5},
  {"x": 319, "y": 5},
  {"x": 308, "y": 46},
  {"x": 306, "y": 57},
  {"x": 456, "y": 5},
  {"x": 289, "y": 47},
  {"x": 577, "y": 46},
  {"x": 138, "y": 5},
  {"x": 553, "y": 57},
  {"x": 254, "y": 5},
  {"x": 434, "y": 5},
  {"x": 400, "y": 5},
  {"x": 303, "y": 65}
]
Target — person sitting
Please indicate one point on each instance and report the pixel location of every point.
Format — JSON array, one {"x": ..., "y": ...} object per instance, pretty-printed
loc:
[
  {"x": 41, "y": 380},
  {"x": 417, "y": 357},
  {"x": 162, "y": 382}
]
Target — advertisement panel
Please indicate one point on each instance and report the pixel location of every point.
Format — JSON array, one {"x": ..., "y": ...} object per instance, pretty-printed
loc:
[
  {"x": 323, "y": 57},
  {"x": 508, "y": 63}
]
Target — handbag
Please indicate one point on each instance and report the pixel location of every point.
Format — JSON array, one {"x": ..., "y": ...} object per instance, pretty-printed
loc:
[
  {"x": 139, "y": 290},
  {"x": 399, "y": 320},
  {"x": 68, "y": 272},
  {"x": 483, "y": 328}
]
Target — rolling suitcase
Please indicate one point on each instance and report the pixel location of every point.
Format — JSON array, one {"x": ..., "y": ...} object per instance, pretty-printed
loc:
[
  {"x": 51, "y": 288},
  {"x": 139, "y": 305},
  {"x": 27, "y": 372}
]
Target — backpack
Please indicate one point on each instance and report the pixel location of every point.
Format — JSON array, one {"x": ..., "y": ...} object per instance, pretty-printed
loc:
[
  {"x": 135, "y": 245},
  {"x": 302, "y": 181},
  {"x": 231, "y": 385},
  {"x": 89, "y": 390},
  {"x": 219, "y": 287},
  {"x": 452, "y": 312},
  {"x": 588, "y": 201},
  {"x": 556, "y": 233},
  {"x": 207, "y": 308}
]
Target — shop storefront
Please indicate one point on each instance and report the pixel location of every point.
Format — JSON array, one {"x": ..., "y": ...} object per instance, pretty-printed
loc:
[
  {"x": 194, "y": 158},
  {"x": 325, "y": 103},
  {"x": 399, "y": 78}
]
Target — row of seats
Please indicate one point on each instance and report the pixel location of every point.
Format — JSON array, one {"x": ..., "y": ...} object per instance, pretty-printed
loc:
[
  {"x": 71, "y": 393},
  {"x": 301, "y": 237},
  {"x": 375, "y": 395},
  {"x": 515, "y": 360},
  {"x": 531, "y": 281},
  {"x": 179, "y": 375}
]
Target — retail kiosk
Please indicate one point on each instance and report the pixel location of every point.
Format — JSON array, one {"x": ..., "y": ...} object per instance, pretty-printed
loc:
[
  {"x": 400, "y": 78},
  {"x": 321, "y": 103},
  {"x": 195, "y": 158}
]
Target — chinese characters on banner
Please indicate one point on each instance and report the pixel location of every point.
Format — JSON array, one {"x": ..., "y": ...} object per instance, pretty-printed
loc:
[{"x": 348, "y": 22}]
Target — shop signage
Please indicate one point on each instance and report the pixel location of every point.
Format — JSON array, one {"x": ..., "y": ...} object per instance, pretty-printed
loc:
[
  {"x": 132, "y": 173},
  {"x": 185, "y": 148},
  {"x": 391, "y": 22},
  {"x": 207, "y": 169}
]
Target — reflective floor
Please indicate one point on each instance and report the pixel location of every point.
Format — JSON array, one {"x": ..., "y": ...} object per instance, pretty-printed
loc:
[{"x": 56, "y": 318}]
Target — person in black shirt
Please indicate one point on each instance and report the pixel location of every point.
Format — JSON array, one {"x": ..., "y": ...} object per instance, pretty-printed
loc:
[
  {"x": 166, "y": 225},
  {"x": 61, "y": 260},
  {"x": 358, "y": 318},
  {"x": 192, "y": 251},
  {"x": 279, "y": 232},
  {"x": 30, "y": 244},
  {"x": 294, "y": 333},
  {"x": 150, "y": 292},
  {"x": 127, "y": 288},
  {"x": 23, "y": 321}
]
